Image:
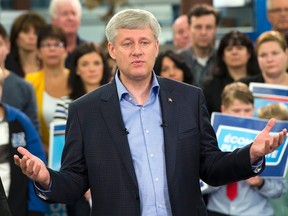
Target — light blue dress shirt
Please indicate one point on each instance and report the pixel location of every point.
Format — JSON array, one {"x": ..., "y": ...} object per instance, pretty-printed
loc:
[
  {"x": 250, "y": 201},
  {"x": 146, "y": 142}
]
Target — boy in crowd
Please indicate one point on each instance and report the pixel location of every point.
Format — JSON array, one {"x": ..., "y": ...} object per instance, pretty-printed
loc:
[
  {"x": 280, "y": 112},
  {"x": 251, "y": 196}
]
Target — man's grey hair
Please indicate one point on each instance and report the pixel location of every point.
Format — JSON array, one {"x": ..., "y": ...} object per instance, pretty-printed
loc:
[
  {"x": 268, "y": 4},
  {"x": 132, "y": 19},
  {"x": 54, "y": 5}
]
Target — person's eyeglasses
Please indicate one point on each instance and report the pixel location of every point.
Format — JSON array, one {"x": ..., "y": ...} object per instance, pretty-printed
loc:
[
  {"x": 278, "y": 10},
  {"x": 49, "y": 45}
]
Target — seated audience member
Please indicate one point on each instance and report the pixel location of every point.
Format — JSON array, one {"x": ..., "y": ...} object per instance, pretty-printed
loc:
[
  {"x": 17, "y": 130},
  {"x": 181, "y": 33},
  {"x": 251, "y": 196},
  {"x": 235, "y": 59},
  {"x": 4, "y": 208},
  {"x": 168, "y": 64},
  {"x": 88, "y": 71},
  {"x": 201, "y": 55},
  {"x": 279, "y": 112},
  {"x": 271, "y": 51},
  {"x": 50, "y": 83},
  {"x": 16, "y": 91},
  {"x": 22, "y": 58},
  {"x": 277, "y": 14},
  {"x": 66, "y": 14}
]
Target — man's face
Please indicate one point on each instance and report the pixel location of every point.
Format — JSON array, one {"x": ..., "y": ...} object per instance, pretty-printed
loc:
[
  {"x": 203, "y": 31},
  {"x": 277, "y": 15},
  {"x": 135, "y": 51},
  {"x": 181, "y": 33},
  {"x": 67, "y": 17}
]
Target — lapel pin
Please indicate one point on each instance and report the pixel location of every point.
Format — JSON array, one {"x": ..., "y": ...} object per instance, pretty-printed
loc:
[{"x": 170, "y": 100}]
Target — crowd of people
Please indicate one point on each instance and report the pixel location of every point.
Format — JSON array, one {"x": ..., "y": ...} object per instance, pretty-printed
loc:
[{"x": 137, "y": 143}]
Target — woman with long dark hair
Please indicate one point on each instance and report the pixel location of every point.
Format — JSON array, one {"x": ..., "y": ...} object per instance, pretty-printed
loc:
[
  {"x": 89, "y": 70},
  {"x": 235, "y": 59},
  {"x": 170, "y": 65},
  {"x": 22, "y": 58}
]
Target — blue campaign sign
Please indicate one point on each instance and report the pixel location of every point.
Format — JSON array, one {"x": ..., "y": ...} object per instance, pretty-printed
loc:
[
  {"x": 235, "y": 132},
  {"x": 56, "y": 144},
  {"x": 265, "y": 94}
]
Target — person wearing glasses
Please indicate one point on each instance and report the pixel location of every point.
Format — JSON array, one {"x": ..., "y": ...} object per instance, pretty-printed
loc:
[
  {"x": 50, "y": 83},
  {"x": 277, "y": 14}
]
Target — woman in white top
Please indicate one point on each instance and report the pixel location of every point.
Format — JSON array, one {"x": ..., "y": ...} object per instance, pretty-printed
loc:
[{"x": 88, "y": 70}]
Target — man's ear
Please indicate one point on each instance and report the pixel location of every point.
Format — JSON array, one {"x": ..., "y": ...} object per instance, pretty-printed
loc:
[
  {"x": 111, "y": 50},
  {"x": 157, "y": 48}
]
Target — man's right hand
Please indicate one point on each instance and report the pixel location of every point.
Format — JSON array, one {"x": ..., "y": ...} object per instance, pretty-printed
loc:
[{"x": 33, "y": 167}]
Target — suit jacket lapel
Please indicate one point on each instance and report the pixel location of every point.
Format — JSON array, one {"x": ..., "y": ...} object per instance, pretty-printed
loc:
[
  {"x": 170, "y": 126},
  {"x": 111, "y": 112}
]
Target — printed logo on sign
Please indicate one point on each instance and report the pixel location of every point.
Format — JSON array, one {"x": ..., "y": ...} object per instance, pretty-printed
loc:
[
  {"x": 18, "y": 139},
  {"x": 230, "y": 138}
]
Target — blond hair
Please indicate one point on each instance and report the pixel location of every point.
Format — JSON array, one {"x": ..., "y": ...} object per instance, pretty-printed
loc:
[
  {"x": 271, "y": 36},
  {"x": 236, "y": 90},
  {"x": 277, "y": 110}
]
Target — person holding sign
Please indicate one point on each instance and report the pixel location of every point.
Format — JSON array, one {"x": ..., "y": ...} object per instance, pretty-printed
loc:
[
  {"x": 142, "y": 142},
  {"x": 251, "y": 196},
  {"x": 278, "y": 111}
]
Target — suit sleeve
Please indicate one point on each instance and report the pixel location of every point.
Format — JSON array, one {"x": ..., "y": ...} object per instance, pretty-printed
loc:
[{"x": 216, "y": 167}]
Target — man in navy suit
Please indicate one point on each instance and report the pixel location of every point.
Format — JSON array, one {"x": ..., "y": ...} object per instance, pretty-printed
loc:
[{"x": 142, "y": 142}]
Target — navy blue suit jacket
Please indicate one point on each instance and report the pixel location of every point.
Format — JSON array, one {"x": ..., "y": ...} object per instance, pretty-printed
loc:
[{"x": 97, "y": 153}]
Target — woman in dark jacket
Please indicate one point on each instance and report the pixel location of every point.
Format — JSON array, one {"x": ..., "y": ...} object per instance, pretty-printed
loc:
[{"x": 235, "y": 59}]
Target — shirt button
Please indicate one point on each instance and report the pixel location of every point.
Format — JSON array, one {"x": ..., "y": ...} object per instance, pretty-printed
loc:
[
  {"x": 130, "y": 99},
  {"x": 142, "y": 108},
  {"x": 152, "y": 155},
  {"x": 147, "y": 131},
  {"x": 160, "y": 205},
  {"x": 156, "y": 179}
]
